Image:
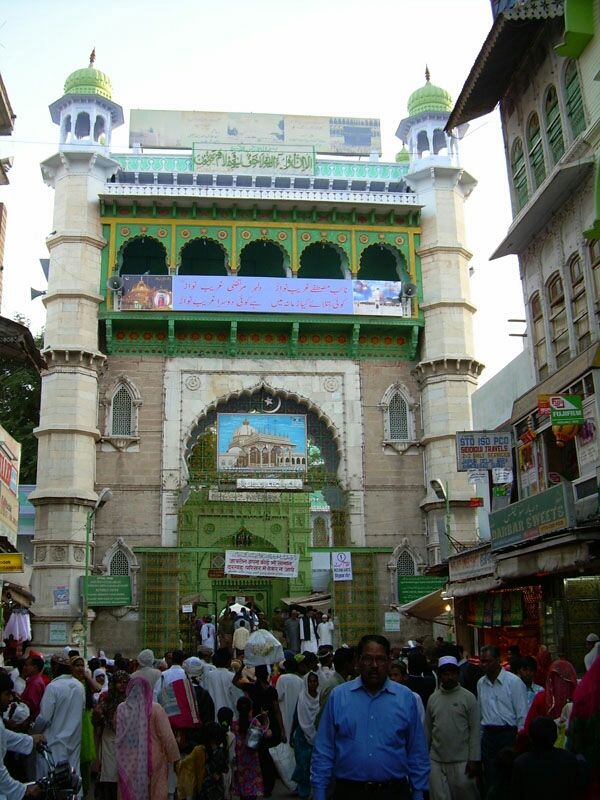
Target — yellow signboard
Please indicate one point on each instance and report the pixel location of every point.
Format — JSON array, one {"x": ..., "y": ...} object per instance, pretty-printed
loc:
[
  {"x": 182, "y": 129},
  {"x": 10, "y": 458},
  {"x": 11, "y": 562}
]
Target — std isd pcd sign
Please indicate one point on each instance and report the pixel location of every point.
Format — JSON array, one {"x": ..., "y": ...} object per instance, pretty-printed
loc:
[{"x": 483, "y": 450}]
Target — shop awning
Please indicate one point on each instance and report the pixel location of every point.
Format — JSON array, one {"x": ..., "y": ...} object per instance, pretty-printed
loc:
[
  {"x": 475, "y": 586},
  {"x": 429, "y": 607},
  {"x": 316, "y": 600}
]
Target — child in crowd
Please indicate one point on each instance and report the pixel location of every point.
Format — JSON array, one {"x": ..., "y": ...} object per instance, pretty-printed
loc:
[
  {"x": 225, "y": 718},
  {"x": 247, "y": 781}
]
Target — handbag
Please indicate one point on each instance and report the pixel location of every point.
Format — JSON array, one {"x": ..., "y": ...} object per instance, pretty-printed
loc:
[{"x": 254, "y": 736}]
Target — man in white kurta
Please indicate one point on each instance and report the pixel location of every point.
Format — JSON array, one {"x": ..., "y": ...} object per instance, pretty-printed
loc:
[
  {"x": 219, "y": 683},
  {"x": 61, "y": 710},
  {"x": 309, "y": 638},
  {"x": 289, "y": 687}
]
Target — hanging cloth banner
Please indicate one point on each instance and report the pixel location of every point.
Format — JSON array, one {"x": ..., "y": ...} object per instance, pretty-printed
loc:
[
  {"x": 342, "y": 565},
  {"x": 262, "y": 565}
]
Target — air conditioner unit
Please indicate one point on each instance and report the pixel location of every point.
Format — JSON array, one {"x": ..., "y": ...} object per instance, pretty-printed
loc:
[{"x": 585, "y": 492}]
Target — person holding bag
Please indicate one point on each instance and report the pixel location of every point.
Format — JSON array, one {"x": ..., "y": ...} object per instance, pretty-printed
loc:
[{"x": 247, "y": 779}]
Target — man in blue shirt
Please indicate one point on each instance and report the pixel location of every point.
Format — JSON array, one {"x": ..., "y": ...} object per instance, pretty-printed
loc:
[{"x": 370, "y": 739}]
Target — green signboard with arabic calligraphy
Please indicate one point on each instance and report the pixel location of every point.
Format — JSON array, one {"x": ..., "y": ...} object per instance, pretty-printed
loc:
[{"x": 279, "y": 160}]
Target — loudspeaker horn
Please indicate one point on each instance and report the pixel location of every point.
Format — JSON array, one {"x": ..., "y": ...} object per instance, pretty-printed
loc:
[
  {"x": 115, "y": 283},
  {"x": 36, "y": 293},
  {"x": 409, "y": 290}
]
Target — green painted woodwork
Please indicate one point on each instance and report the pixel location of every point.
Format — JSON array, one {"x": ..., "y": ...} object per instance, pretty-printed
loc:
[
  {"x": 579, "y": 28},
  {"x": 594, "y": 231},
  {"x": 222, "y": 235},
  {"x": 325, "y": 169},
  {"x": 283, "y": 526},
  {"x": 261, "y": 336},
  {"x": 281, "y": 235},
  {"x": 126, "y": 233}
]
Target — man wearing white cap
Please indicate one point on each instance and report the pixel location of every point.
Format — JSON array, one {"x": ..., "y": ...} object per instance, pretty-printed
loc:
[
  {"x": 452, "y": 725},
  {"x": 325, "y": 631},
  {"x": 591, "y": 643},
  {"x": 146, "y": 667}
]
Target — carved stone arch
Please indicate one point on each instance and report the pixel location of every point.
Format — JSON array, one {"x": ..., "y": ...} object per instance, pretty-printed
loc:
[
  {"x": 121, "y": 443},
  {"x": 226, "y": 254},
  {"x": 189, "y": 439},
  {"x": 121, "y": 546}
]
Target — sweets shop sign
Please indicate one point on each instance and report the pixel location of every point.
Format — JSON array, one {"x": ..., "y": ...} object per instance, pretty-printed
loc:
[{"x": 533, "y": 517}]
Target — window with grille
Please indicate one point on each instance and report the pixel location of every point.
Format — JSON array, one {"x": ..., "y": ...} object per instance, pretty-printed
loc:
[
  {"x": 119, "y": 564},
  {"x": 554, "y": 132},
  {"x": 539, "y": 337},
  {"x": 536, "y": 151},
  {"x": 398, "y": 423},
  {"x": 574, "y": 100},
  {"x": 122, "y": 413},
  {"x": 558, "y": 321},
  {"x": 405, "y": 564},
  {"x": 519, "y": 174},
  {"x": 579, "y": 307}
]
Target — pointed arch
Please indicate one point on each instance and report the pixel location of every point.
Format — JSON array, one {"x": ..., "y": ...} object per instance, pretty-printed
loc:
[
  {"x": 121, "y": 403},
  {"x": 120, "y": 560},
  {"x": 398, "y": 415},
  {"x": 382, "y": 262},
  {"x": 323, "y": 260}
]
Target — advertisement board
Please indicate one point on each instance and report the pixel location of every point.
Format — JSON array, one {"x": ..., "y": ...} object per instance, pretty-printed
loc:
[
  {"x": 261, "y": 443},
  {"x": 230, "y": 293},
  {"x": 10, "y": 460},
  {"x": 533, "y": 517},
  {"x": 341, "y": 563},
  {"x": 474, "y": 564},
  {"x": 11, "y": 562},
  {"x": 566, "y": 409},
  {"x": 483, "y": 450},
  {"x": 261, "y": 565},
  {"x": 183, "y": 129}
]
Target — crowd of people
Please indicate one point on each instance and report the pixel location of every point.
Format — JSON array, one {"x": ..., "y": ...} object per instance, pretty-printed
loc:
[{"x": 397, "y": 723}]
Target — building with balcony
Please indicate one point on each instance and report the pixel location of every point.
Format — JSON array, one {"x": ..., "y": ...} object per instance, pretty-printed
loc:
[
  {"x": 270, "y": 268},
  {"x": 540, "y": 63}
]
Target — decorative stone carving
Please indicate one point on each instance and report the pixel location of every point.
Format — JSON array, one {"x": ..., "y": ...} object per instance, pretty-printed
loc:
[
  {"x": 58, "y": 553},
  {"x": 40, "y": 553},
  {"x": 192, "y": 382},
  {"x": 276, "y": 528},
  {"x": 79, "y": 554},
  {"x": 331, "y": 383},
  {"x": 209, "y": 528}
]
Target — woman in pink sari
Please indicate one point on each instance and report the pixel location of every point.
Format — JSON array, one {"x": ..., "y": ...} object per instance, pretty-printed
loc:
[{"x": 145, "y": 745}]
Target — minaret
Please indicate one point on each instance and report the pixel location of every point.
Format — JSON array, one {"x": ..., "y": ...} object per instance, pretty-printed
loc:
[
  {"x": 448, "y": 370},
  {"x": 68, "y": 430}
]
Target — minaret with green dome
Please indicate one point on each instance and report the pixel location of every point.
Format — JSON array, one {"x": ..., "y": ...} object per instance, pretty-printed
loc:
[
  {"x": 448, "y": 370},
  {"x": 86, "y": 112},
  {"x": 65, "y": 495},
  {"x": 422, "y": 131}
]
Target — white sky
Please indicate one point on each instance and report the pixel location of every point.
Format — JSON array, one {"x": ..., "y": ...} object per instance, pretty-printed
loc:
[{"x": 332, "y": 57}]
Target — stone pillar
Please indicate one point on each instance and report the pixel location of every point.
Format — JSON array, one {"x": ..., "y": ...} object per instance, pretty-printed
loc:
[
  {"x": 68, "y": 429},
  {"x": 448, "y": 371}
]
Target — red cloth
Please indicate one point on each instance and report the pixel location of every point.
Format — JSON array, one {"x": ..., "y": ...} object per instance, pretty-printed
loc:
[
  {"x": 33, "y": 693},
  {"x": 560, "y": 687},
  {"x": 544, "y": 659}
]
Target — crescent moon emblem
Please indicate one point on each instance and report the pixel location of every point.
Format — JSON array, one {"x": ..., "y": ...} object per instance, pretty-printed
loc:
[{"x": 274, "y": 410}]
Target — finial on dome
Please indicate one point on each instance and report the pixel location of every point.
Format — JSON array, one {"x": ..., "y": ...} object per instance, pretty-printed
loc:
[
  {"x": 427, "y": 75},
  {"x": 92, "y": 57}
]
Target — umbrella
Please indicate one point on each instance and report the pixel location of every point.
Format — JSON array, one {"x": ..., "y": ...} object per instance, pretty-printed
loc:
[
  {"x": 262, "y": 648},
  {"x": 237, "y": 607}
]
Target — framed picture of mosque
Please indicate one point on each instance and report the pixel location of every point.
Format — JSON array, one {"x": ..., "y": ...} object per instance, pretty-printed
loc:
[{"x": 263, "y": 443}]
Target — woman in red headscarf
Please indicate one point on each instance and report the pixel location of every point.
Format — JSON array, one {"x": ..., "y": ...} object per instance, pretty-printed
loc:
[
  {"x": 584, "y": 725},
  {"x": 145, "y": 745},
  {"x": 561, "y": 682}
]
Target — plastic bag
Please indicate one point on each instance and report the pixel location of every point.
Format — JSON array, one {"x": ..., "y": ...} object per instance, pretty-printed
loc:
[
  {"x": 262, "y": 648},
  {"x": 285, "y": 761},
  {"x": 255, "y": 735}
]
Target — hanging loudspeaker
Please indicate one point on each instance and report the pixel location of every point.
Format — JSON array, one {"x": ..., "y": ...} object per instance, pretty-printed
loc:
[
  {"x": 115, "y": 283},
  {"x": 409, "y": 290}
]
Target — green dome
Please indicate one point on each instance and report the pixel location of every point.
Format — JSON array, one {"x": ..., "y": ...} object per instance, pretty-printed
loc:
[
  {"x": 89, "y": 81},
  {"x": 402, "y": 157},
  {"x": 429, "y": 98}
]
